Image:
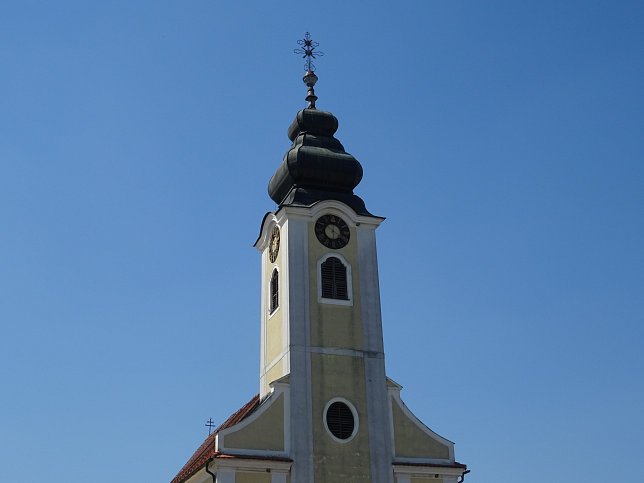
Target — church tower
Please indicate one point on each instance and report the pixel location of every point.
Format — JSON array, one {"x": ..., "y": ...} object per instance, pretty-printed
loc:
[{"x": 325, "y": 412}]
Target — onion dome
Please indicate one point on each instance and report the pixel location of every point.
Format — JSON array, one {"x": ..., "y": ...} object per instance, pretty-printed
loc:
[{"x": 316, "y": 167}]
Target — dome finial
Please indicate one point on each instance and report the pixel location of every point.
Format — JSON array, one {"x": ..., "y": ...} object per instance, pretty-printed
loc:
[{"x": 308, "y": 52}]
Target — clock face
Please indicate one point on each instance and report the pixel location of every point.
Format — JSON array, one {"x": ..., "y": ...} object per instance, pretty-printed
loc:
[
  {"x": 274, "y": 247},
  {"x": 332, "y": 231}
]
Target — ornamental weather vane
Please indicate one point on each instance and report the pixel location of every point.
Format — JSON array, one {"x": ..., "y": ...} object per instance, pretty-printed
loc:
[{"x": 308, "y": 52}]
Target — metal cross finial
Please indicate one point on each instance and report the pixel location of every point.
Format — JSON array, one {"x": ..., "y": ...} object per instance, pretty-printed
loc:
[
  {"x": 308, "y": 51},
  {"x": 211, "y": 424}
]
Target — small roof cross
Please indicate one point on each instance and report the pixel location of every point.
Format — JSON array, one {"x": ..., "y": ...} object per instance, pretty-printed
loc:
[{"x": 211, "y": 424}]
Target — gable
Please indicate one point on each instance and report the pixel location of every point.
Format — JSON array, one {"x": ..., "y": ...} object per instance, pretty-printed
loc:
[{"x": 413, "y": 441}]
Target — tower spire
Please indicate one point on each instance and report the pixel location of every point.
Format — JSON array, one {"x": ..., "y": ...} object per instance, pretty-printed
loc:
[{"x": 308, "y": 52}]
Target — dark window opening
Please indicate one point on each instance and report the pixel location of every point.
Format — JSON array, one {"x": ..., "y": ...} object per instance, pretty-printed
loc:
[
  {"x": 334, "y": 279},
  {"x": 275, "y": 299},
  {"x": 339, "y": 420}
]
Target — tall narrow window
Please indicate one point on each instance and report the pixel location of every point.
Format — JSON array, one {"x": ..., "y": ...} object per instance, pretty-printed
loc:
[
  {"x": 275, "y": 296},
  {"x": 334, "y": 279}
]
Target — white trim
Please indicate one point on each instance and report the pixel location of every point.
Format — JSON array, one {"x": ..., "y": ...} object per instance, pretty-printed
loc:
[
  {"x": 250, "y": 465},
  {"x": 265, "y": 230},
  {"x": 256, "y": 452},
  {"x": 392, "y": 429},
  {"x": 329, "y": 351},
  {"x": 274, "y": 362},
  {"x": 347, "y": 266},
  {"x": 395, "y": 387},
  {"x": 310, "y": 214},
  {"x": 356, "y": 421},
  {"x": 413, "y": 471},
  {"x": 333, "y": 207},
  {"x": 282, "y": 383},
  {"x": 286, "y": 333},
  {"x": 263, "y": 318},
  {"x": 346, "y": 352},
  {"x": 424, "y": 461}
]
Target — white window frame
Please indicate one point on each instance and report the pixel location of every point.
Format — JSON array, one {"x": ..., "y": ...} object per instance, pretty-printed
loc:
[
  {"x": 356, "y": 420},
  {"x": 347, "y": 266}
]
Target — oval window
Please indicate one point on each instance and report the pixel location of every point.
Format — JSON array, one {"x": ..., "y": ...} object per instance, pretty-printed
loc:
[{"x": 340, "y": 420}]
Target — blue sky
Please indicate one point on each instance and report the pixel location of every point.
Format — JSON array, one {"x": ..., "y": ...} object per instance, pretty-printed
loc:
[{"x": 502, "y": 140}]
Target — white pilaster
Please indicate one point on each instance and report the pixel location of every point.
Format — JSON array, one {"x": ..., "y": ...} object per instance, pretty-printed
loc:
[
  {"x": 297, "y": 304},
  {"x": 262, "y": 350},
  {"x": 381, "y": 452}
]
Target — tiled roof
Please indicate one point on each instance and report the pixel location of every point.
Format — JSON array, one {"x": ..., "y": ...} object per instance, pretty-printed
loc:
[{"x": 207, "y": 448}]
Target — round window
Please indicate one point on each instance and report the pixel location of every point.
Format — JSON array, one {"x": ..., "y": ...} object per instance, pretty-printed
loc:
[{"x": 340, "y": 420}]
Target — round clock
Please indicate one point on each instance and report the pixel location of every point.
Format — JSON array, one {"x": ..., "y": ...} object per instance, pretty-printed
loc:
[
  {"x": 274, "y": 246},
  {"x": 332, "y": 231}
]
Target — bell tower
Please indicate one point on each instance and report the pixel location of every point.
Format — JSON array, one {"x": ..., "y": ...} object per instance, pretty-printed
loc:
[
  {"x": 326, "y": 412},
  {"x": 321, "y": 322}
]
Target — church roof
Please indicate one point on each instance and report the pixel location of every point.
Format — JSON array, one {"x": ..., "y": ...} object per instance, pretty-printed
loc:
[
  {"x": 316, "y": 167},
  {"x": 207, "y": 449}
]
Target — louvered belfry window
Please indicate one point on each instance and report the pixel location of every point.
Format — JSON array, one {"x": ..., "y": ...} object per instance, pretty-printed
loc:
[
  {"x": 339, "y": 420},
  {"x": 334, "y": 279},
  {"x": 275, "y": 298}
]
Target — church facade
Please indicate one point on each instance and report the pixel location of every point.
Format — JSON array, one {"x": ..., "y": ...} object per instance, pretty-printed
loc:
[{"x": 326, "y": 411}]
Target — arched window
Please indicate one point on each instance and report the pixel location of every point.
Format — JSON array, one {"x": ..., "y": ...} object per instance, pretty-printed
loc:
[
  {"x": 275, "y": 296},
  {"x": 333, "y": 276}
]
